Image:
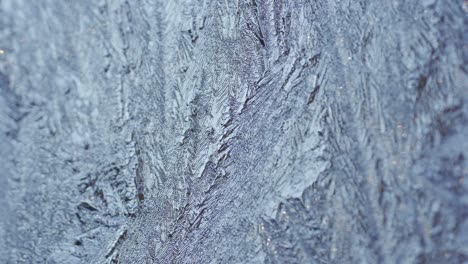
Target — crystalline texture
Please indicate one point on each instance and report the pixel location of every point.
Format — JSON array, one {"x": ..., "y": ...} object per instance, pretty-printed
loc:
[{"x": 250, "y": 131}]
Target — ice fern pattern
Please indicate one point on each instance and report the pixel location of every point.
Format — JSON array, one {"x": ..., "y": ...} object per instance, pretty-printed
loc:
[{"x": 246, "y": 131}]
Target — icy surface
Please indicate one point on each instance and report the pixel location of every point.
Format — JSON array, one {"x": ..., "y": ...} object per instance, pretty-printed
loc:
[{"x": 222, "y": 131}]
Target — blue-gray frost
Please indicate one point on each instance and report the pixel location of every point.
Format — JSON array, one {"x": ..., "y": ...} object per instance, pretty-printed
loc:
[{"x": 221, "y": 131}]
